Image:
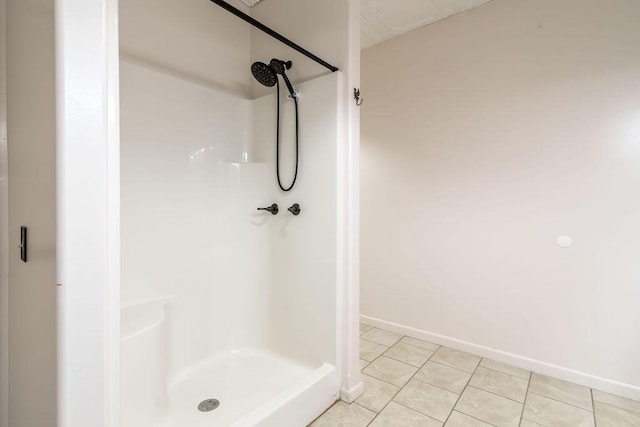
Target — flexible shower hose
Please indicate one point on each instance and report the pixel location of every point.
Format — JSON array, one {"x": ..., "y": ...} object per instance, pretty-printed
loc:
[{"x": 295, "y": 175}]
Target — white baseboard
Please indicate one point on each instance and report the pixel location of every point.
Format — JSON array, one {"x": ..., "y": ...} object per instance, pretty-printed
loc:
[
  {"x": 350, "y": 395},
  {"x": 582, "y": 378}
]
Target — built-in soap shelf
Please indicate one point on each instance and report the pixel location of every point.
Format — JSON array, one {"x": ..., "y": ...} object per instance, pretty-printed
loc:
[{"x": 139, "y": 318}]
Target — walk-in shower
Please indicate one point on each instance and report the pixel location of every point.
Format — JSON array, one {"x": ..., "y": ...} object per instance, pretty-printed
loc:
[{"x": 230, "y": 315}]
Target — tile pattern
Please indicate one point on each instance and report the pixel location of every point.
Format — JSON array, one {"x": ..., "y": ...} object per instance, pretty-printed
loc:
[
  {"x": 391, "y": 371},
  {"x": 548, "y": 412},
  {"x": 607, "y": 415},
  {"x": 490, "y": 408},
  {"x": 618, "y": 402},
  {"x": 562, "y": 391},
  {"x": 409, "y": 354},
  {"x": 376, "y": 393},
  {"x": 450, "y": 379},
  {"x": 409, "y": 382},
  {"x": 397, "y": 415},
  {"x": 499, "y": 383},
  {"x": 427, "y": 399}
]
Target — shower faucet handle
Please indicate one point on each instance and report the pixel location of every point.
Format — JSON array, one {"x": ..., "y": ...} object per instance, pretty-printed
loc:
[
  {"x": 273, "y": 209},
  {"x": 295, "y": 209}
]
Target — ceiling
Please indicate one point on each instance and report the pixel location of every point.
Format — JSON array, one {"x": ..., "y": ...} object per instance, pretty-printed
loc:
[{"x": 385, "y": 19}]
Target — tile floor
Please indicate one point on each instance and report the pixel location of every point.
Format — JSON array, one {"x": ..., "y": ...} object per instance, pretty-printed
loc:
[{"x": 409, "y": 382}]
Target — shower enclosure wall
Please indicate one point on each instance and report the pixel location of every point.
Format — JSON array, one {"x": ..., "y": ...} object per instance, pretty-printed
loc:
[{"x": 220, "y": 300}]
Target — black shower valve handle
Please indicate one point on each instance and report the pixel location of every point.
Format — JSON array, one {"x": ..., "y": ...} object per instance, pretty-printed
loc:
[
  {"x": 294, "y": 209},
  {"x": 273, "y": 209}
]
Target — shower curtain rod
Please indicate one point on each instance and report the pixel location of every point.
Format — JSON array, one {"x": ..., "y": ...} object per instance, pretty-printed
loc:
[{"x": 259, "y": 25}]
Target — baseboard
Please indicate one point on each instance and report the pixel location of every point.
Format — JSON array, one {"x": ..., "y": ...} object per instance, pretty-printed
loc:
[
  {"x": 582, "y": 378},
  {"x": 351, "y": 394}
]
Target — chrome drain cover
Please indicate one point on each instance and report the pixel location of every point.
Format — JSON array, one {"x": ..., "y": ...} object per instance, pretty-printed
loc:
[{"x": 208, "y": 405}]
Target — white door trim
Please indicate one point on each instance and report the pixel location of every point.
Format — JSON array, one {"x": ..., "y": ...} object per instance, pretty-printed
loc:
[{"x": 88, "y": 211}]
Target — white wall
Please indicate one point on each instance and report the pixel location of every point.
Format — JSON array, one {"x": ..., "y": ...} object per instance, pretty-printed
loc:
[
  {"x": 485, "y": 137},
  {"x": 301, "y": 282},
  {"x": 32, "y": 202},
  {"x": 187, "y": 234},
  {"x": 330, "y": 30},
  {"x": 87, "y": 211},
  {"x": 190, "y": 230},
  {"x": 183, "y": 238}
]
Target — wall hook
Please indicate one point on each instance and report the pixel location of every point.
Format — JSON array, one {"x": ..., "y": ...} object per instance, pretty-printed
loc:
[{"x": 356, "y": 96}]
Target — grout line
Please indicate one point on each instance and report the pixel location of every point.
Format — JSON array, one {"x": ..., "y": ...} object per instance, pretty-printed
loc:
[
  {"x": 386, "y": 382},
  {"x": 406, "y": 363},
  {"x": 438, "y": 387},
  {"x": 593, "y": 405},
  {"x": 526, "y": 395},
  {"x": 322, "y": 414},
  {"x": 373, "y": 342},
  {"x": 459, "y": 369},
  {"x": 399, "y": 361},
  {"x": 451, "y": 367},
  {"x": 470, "y": 416},
  {"x": 421, "y": 348},
  {"x": 496, "y": 394},
  {"x": 560, "y": 401},
  {"x": 364, "y": 407},
  {"x": 414, "y": 410},
  {"x": 463, "y": 390},
  {"x": 504, "y": 373}
]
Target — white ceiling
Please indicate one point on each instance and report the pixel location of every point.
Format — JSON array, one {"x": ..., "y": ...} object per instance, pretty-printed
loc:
[{"x": 384, "y": 19}]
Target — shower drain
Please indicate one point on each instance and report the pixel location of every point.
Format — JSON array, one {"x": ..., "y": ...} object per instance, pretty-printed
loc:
[{"x": 208, "y": 405}]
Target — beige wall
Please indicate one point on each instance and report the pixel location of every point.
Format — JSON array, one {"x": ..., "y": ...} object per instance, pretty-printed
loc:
[
  {"x": 485, "y": 137},
  {"x": 4, "y": 226},
  {"x": 193, "y": 40},
  {"x": 319, "y": 27},
  {"x": 32, "y": 180}
]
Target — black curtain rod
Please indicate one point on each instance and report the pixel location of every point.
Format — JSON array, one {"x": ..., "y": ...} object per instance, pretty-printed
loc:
[{"x": 259, "y": 25}]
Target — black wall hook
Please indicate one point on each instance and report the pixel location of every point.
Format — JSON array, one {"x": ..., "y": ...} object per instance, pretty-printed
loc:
[{"x": 356, "y": 96}]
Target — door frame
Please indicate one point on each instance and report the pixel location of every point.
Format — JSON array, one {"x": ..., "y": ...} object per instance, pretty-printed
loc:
[{"x": 88, "y": 211}]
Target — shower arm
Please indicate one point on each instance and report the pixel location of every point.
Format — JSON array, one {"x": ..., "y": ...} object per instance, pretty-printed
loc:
[{"x": 259, "y": 25}]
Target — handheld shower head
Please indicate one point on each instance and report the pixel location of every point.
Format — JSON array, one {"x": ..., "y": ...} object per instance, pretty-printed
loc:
[
  {"x": 264, "y": 74},
  {"x": 268, "y": 76},
  {"x": 279, "y": 66}
]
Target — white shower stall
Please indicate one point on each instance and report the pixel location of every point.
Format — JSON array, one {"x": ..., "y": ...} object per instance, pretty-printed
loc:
[{"x": 218, "y": 299}]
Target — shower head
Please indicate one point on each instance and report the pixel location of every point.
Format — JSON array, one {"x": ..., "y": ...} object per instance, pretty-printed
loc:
[
  {"x": 279, "y": 66},
  {"x": 264, "y": 74},
  {"x": 268, "y": 74}
]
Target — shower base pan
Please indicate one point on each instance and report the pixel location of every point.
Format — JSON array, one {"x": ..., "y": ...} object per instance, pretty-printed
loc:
[{"x": 253, "y": 388}]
